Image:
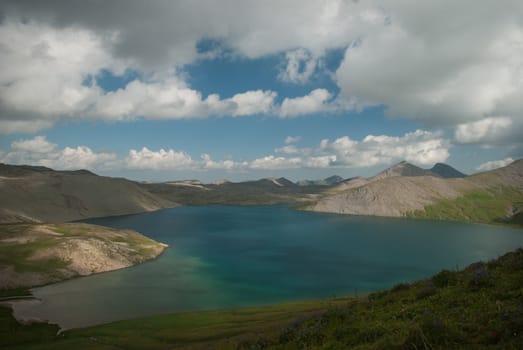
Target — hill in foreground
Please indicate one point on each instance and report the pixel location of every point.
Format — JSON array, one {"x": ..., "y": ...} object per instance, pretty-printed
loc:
[
  {"x": 479, "y": 307},
  {"x": 37, "y": 254}
]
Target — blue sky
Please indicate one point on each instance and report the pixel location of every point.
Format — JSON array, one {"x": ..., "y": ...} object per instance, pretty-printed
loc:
[{"x": 302, "y": 90}]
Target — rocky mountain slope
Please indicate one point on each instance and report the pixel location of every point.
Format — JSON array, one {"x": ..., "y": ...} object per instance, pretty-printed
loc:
[
  {"x": 36, "y": 254},
  {"x": 446, "y": 171},
  {"x": 406, "y": 169},
  {"x": 329, "y": 181},
  {"x": 403, "y": 189},
  {"x": 39, "y": 194}
]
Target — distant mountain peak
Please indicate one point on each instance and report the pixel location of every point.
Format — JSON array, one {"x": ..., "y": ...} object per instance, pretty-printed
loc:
[
  {"x": 402, "y": 168},
  {"x": 328, "y": 181},
  {"x": 405, "y": 168},
  {"x": 284, "y": 181},
  {"x": 446, "y": 171}
]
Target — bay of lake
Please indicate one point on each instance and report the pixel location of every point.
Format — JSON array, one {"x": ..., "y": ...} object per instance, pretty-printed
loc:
[{"x": 231, "y": 256}]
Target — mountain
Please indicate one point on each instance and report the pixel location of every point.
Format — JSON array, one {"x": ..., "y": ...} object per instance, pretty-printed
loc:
[
  {"x": 329, "y": 181},
  {"x": 390, "y": 194},
  {"x": 446, "y": 171},
  {"x": 403, "y": 169},
  {"x": 39, "y": 194},
  {"x": 263, "y": 191},
  {"x": 406, "y": 169}
]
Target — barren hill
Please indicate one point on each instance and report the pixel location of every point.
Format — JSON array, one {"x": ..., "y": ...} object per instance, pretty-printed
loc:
[
  {"x": 38, "y": 194},
  {"x": 397, "y": 195},
  {"x": 406, "y": 169}
]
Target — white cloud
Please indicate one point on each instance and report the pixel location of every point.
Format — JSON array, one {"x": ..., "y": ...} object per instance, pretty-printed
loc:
[
  {"x": 463, "y": 71},
  {"x": 483, "y": 131},
  {"x": 171, "y": 99},
  {"x": 208, "y": 163},
  {"x": 162, "y": 159},
  {"x": 147, "y": 159},
  {"x": 314, "y": 102},
  {"x": 39, "y": 151},
  {"x": 292, "y": 139},
  {"x": 252, "y": 102},
  {"x": 398, "y": 55},
  {"x": 289, "y": 149},
  {"x": 42, "y": 72},
  {"x": 494, "y": 164},
  {"x": 272, "y": 162},
  {"x": 299, "y": 68},
  {"x": 38, "y": 144},
  {"x": 25, "y": 126},
  {"x": 420, "y": 147}
]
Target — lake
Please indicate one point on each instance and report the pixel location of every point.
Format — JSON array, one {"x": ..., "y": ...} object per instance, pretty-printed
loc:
[{"x": 228, "y": 256}]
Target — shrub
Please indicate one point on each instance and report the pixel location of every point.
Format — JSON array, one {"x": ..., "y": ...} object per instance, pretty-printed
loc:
[{"x": 445, "y": 278}]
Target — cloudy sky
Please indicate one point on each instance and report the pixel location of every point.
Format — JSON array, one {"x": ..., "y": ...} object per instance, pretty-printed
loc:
[{"x": 236, "y": 89}]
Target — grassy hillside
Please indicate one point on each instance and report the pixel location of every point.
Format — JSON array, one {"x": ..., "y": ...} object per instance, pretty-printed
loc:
[
  {"x": 480, "y": 307},
  {"x": 33, "y": 254},
  {"x": 493, "y": 205}
]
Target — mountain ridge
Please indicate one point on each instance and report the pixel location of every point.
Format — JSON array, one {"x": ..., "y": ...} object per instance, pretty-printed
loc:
[
  {"x": 395, "y": 195},
  {"x": 39, "y": 194}
]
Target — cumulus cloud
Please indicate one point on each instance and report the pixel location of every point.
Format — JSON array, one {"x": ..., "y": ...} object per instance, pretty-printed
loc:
[
  {"x": 292, "y": 149},
  {"x": 272, "y": 162},
  {"x": 445, "y": 75},
  {"x": 42, "y": 72},
  {"x": 292, "y": 139},
  {"x": 420, "y": 147},
  {"x": 208, "y": 163},
  {"x": 316, "y": 101},
  {"x": 494, "y": 164},
  {"x": 299, "y": 67},
  {"x": 162, "y": 159},
  {"x": 252, "y": 102},
  {"x": 487, "y": 130},
  {"x": 397, "y": 55},
  {"x": 39, "y": 151},
  {"x": 171, "y": 99},
  {"x": 289, "y": 149},
  {"x": 258, "y": 29},
  {"x": 146, "y": 159}
]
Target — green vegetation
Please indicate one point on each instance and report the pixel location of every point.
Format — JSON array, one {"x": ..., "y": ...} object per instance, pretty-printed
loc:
[
  {"x": 44, "y": 253},
  {"x": 19, "y": 255},
  {"x": 15, "y": 292},
  {"x": 491, "y": 206},
  {"x": 480, "y": 307}
]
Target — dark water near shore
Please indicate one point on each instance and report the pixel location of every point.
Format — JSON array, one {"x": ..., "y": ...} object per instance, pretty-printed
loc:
[{"x": 226, "y": 256}]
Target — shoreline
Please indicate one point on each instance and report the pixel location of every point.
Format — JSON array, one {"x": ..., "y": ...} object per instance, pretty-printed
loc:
[{"x": 10, "y": 301}]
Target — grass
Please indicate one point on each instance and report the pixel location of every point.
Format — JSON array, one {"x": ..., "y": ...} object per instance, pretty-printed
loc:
[
  {"x": 489, "y": 206},
  {"x": 19, "y": 256},
  {"x": 6, "y": 293},
  {"x": 480, "y": 307}
]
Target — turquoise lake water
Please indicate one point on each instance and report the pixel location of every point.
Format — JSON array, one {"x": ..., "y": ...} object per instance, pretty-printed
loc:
[{"x": 227, "y": 256}]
